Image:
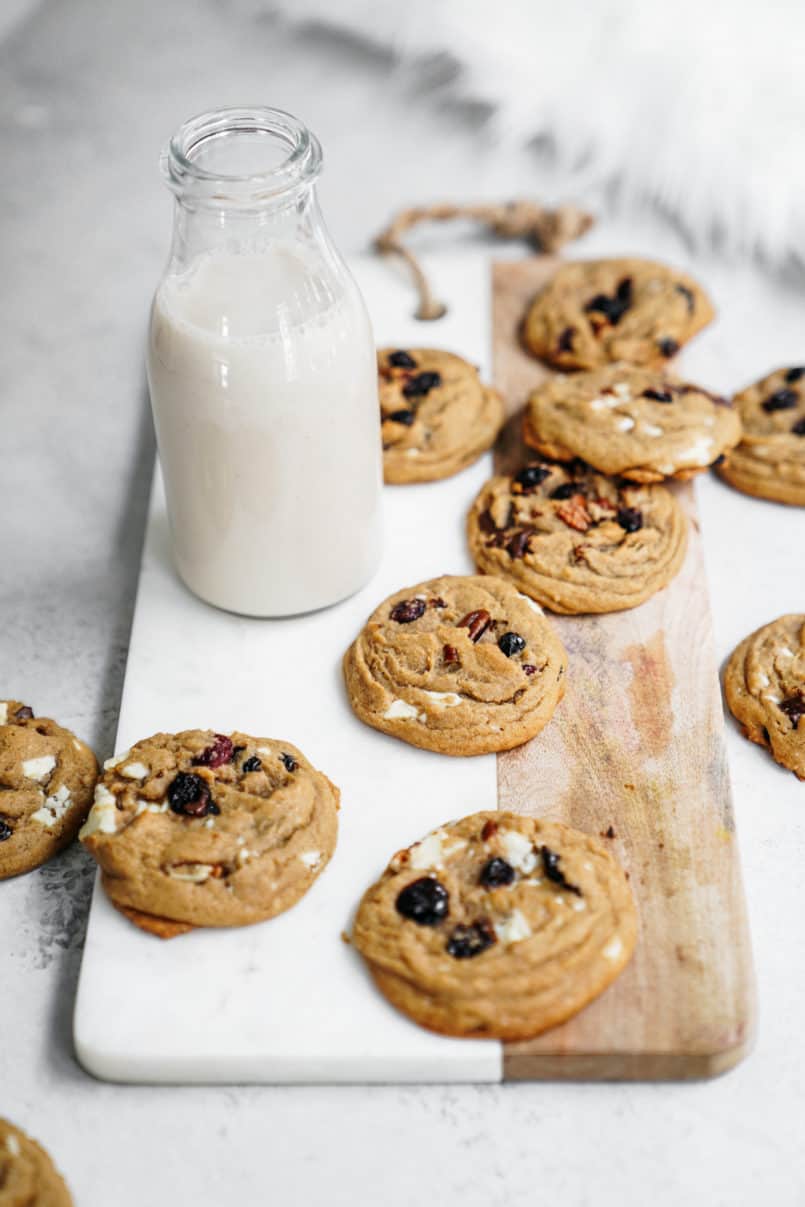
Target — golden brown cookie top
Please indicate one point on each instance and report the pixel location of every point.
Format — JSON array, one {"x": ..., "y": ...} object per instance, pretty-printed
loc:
[
  {"x": 770, "y": 459},
  {"x": 437, "y": 417},
  {"x": 577, "y": 540},
  {"x": 636, "y": 422},
  {"x": 593, "y": 312},
  {"x": 211, "y": 829},
  {"x": 458, "y": 664},
  {"x": 765, "y": 687},
  {"x": 498, "y": 924},
  {"x": 47, "y": 776},
  {"x": 28, "y": 1177}
]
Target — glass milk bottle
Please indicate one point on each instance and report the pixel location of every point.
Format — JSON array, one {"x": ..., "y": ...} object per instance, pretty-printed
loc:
[{"x": 261, "y": 366}]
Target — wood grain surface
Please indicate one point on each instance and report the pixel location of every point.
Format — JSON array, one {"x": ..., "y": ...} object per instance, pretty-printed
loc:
[{"x": 638, "y": 745}]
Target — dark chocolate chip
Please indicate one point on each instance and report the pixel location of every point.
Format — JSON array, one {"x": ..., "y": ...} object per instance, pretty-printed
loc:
[
  {"x": 486, "y": 523},
  {"x": 468, "y": 941},
  {"x": 565, "y": 342},
  {"x": 496, "y": 872},
  {"x": 799, "y": 427},
  {"x": 613, "y": 308},
  {"x": 477, "y": 622},
  {"x": 408, "y": 610},
  {"x": 438, "y": 602},
  {"x": 24, "y": 714},
  {"x": 289, "y": 762},
  {"x": 793, "y": 707},
  {"x": 252, "y": 764},
  {"x": 188, "y": 794},
  {"x": 511, "y": 644},
  {"x": 421, "y": 384},
  {"x": 630, "y": 518},
  {"x": 5, "y": 830},
  {"x": 794, "y": 375},
  {"x": 550, "y": 862},
  {"x": 720, "y": 459},
  {"x": 402, "y": 360},
  {"x": 221, "y": 751},
  {"x": 781, "y": 400},
  {"x": 659, "y": 395},
  {"x": 687, "y": 294},
  {"x": 530, "y": 477},
  {"x": 406, "y": 418},
  {"x": 668, "y": 346},
  {"x": 566, "y": 490},
  {"x": 609, "y": 832},
  {"x": 518, "y": 545},
  {"x": 425, "y": 901}
]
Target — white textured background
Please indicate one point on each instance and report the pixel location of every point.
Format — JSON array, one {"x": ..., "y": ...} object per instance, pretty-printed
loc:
[{"x": 88, "y": 92}]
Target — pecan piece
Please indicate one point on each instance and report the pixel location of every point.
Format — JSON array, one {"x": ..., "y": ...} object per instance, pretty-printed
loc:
[
  {"x": 574, "y": 513},
  {"x": 477, "y": 622}
]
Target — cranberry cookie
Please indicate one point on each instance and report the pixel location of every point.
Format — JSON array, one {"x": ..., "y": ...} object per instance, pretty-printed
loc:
[
  {"x": 458, "y": 665},
  {"x": 28, "y": 1177},
  {"x": 497, "y": 926},
  {"x": 206, "y": 829},
  {"x": 765, "y": 688},
  {"x": 770, "y": 460},
  {"x": 595, "y": 311},
  {"x": 46, "y": 780},
  {"x": 436, "y": 415},
  {"x": 576, "y": 540},
  {"x": 644, "y": 425}
]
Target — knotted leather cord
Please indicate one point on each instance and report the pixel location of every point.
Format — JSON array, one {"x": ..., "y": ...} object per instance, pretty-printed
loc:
[{"x": 547, "y": 229}]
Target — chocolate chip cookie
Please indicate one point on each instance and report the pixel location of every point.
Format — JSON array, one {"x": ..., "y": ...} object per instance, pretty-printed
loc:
[
  {"x": 638, "y": 423},
  {"x": 497, "y": 926},
  {"x": 437, "y": 417},
  {"x": 593, "y": 312},
  {"x": 208, "y": 829},
  {"x": 765, "y": 688},
  {"x": 576, "y": 540},
  {"x": 28, "y": 1177},
  {"x": 460, "y": 665},
  {"x": 46, "y": 780},
  {"x": 770, "y": 460}
]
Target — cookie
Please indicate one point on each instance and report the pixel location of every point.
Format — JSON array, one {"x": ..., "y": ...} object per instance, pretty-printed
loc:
[
  {"x": 46, "y": 780},
  {"x": 764, "y": 683},
  {"x": 622, "y": 420},
  {"x": 593, "y": 312},
  {"x": 28, "y": 1177},
  {"x": 576, "y": 540},
  {"x": 436, "y": 415},
  {"x": 460, "y": 665},
  {"x": 770, "y": 460},
  {"x": 206, "y": 829},
  {"x": 497, "y": 926}
]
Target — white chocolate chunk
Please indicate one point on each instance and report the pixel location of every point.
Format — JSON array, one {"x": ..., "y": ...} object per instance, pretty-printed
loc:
[
  {"x": 195, "y": 873},
  {"x": 650, "y": 429},
  {"x": 532, "y": 603},
  {"x": 613, "y": 948},
  {"x": 401, "y": 710},
  {"x": 622, "y": 390},
  {"x": 600, "y": 404},
  {"x": 13, "y": 1145},
  {"x": 37, "y": 769},
  {"x": 3, "y": 720},
  {"x": 311, "y": 859},
  {"x": 116, "y": 760},
  {"x": 518, "y": 851},
  {"x": 102, "y": 816},
  {"x": 54, "y": 808},
  {"x": 513, "y": 928},
  {"x": 445, "y": 699},
  {"x": 146, "y": 806},
  {"x": 579, "y": 904},
  {"x": 134, "y": 771},
  {"x": 412, "y": 452},
  {"x": 429, "y": 853},
  {"x": 243, "y": 856},
  {"x": 624, "y": 423}
]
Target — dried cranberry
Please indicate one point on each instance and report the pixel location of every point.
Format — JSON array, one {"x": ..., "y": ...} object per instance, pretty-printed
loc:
[
  {"x": 468, "y": 941},
  {"x": 496, "y": 872},
  {"x": 630, "y": 518},
  {"x": 450, "y": 654},
  {"x": 252, "y": 764},
  {"x": 489, "y": 828},
  {"x": 421, "y": 384},
  {"x": 5, "y": 830},
  {"x": 530, "y": 477},
  {"x": 437, "y": 602},
  {"x": 406, "y": 418},
  {"x": 221, "y": 751},
  {"x": 659, "y": 395},
  {"x": 188, "y": 794},
  {"x": 781, "y": 400},
  {"x": 518, "y": 545},
  {"x": 477, "y": 622},
  {"x": 408, "y": 610},
  {"x": 425, "y": 901},
  {"x": 799, "y": 427},
  {"x": 566, "y": 490},
  {"x": 687, "y": 294},
  {"x": 511, "y": 644},
  {"x": 401, "y": 360},
  {"x": 24, "y": 714},
  {"x": 529, "y": 669},
  {"x": 550, "y": 862},
  {"x": 794, "y": 707},
  {"x": 289, "y": 762},
  {"x": 667, "y": 346},
  {"x": 565, "y": 342},
  {"x": 794, "y": 375}
]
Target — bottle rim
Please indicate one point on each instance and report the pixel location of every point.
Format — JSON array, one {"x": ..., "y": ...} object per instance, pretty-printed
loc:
[{"x": 190, "y": 179}]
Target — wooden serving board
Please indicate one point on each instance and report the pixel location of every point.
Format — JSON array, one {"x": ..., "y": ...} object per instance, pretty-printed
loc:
[{"x": 637, "y": 744}]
